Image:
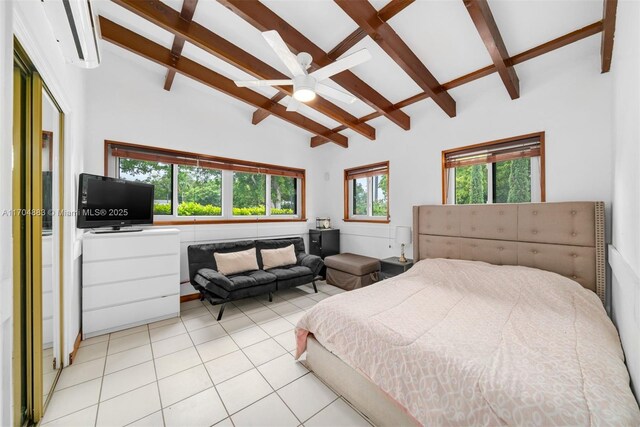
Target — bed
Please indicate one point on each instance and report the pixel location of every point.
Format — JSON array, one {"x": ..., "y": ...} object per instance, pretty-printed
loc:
[{"x": 501, "y": 322}]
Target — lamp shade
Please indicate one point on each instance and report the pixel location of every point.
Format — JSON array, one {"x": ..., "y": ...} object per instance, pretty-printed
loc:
[{"x": 403, "y": 235}]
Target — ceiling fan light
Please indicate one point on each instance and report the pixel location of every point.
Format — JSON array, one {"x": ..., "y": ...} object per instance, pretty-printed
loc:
[{"x": 304, "y": 94}]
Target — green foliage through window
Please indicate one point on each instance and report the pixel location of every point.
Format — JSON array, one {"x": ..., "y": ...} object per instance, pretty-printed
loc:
[
  {"x": 471, "y": 184},
  {"x": 158, "y": 174},
  {"x": 360, "y": 196},
  {"x": 361, "y": 199},
  {"x": 249, "y": 194},
  {"x": 379, "y": 196},
  {"x": 511, "y": 182},
  {"x": 199, "y": 191},
  {"x": 284, "y": 198}
]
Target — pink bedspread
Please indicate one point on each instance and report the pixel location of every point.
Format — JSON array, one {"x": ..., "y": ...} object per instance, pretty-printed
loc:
[{"x": 467, "y": 343}]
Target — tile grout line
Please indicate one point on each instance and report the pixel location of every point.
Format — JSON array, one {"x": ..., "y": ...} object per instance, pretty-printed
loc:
[
  {"x": 155, "y": 371},
  {"x": 260, "y": 373},
  {"x": 95, "y": 423},
  {"x": 148, "y": 329},
  {"x": 256, "y": 367},
  {"x": 213, "y": 384}
]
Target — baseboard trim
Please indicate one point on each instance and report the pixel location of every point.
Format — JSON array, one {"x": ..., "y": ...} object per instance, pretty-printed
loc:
[
  {"x": 76, "y": 346},
  {"x": 189, "y": 297}
]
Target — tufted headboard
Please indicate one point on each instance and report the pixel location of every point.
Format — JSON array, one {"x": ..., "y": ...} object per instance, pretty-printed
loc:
[{"x": 566, "y": 238}]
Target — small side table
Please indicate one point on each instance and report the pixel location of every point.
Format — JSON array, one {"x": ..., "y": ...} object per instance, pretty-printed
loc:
[{"x": 390, "y": 267}]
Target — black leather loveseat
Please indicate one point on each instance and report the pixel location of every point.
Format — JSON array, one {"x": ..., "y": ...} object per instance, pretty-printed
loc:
[{"x": 220, "y": 289}]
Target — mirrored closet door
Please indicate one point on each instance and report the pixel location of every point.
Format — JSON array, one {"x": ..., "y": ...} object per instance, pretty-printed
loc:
[
  {"x": 37, "y": 251},
  {"x": 51, "y": 242}
]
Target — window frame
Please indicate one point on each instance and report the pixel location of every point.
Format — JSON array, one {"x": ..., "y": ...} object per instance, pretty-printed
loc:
[
  {"x": 540, "y": 136},
  {"x": 349, "y": 193},
  {"x": 111, "y": 168}
]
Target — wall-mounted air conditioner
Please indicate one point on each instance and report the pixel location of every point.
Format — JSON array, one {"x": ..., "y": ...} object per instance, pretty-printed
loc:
[{"x": 74, "y": 31}]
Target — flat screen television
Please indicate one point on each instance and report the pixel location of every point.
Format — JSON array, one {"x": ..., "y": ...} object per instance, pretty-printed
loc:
[{"x": 112, "y": 202}]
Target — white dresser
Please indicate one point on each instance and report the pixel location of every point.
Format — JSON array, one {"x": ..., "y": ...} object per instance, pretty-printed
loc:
[{"x": 129, "y": 279}]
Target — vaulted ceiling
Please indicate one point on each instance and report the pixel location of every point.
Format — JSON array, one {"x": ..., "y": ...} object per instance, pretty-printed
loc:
[{"x": 421, "y": 49}]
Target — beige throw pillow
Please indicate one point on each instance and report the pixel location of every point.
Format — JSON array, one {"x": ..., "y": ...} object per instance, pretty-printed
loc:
[
  {"x": 272, "y": 258},
  {"x": 236, "y": 262}
]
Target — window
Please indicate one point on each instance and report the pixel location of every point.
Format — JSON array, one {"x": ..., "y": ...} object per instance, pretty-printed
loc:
[
  {"x": 192, "y": 187},
  {"x": 367, "y": 193},
  {"x": 471, "y": 184},
  {"x": 199, "y": 191},
  {"x": 505, "y": 171},
  {"x": 249, "y": 194},
  {"x": 156, "y": 173},
  {"x": 284, "y": 195}
]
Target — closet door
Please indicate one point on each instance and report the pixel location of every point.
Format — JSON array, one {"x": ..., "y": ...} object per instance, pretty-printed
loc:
[
  {"x": 50, "y": 224},
  {"x": 37, "y": 227}
]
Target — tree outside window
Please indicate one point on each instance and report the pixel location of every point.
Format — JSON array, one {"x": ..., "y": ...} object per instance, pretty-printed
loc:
[
  {"x": 360, "y": 196},
  {"x": 249, "y": 194},
  {"x": 284, "y": 195},
  {"x": 471, "y": 184},
  {"x": 199, "y": 191},
  {"x": 155, "y": 173}
]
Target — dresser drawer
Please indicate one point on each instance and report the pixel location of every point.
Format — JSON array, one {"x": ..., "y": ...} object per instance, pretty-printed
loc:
[
  {"x": 128, "y": 246},
  {"x": 100, "y": 296},
  {"x": 98, "y": 322},
  {"x": 119, "y": 270}
]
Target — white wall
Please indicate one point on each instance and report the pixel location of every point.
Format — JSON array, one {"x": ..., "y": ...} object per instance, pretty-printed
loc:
[
  {"x": 624, "y": 252},
  {"x": 562, "y": 93},
  {"x": 6, "y": 265},
  {"x": 131, "y": 106}
]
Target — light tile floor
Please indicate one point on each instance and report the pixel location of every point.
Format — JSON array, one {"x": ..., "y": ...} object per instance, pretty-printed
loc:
[{"x": 195, "y": 371}]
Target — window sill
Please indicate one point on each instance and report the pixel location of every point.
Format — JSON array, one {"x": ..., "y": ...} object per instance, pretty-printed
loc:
[
  {"x": 226, "y": 221},
  {"x": 374, "y": 221}
]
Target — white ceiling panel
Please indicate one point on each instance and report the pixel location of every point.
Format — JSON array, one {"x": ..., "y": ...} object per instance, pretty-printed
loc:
[
  {"x": 322, "y": 22},
  {"x": 443, "y": 36},
  {"x": 133, "y": 22},
  {"x": 525, "y": 24},
  {"x": 236, "y": 30},
  {"x": 383, "y": 74},
  {"x": 379, "y": 4},
  {"x": 439, "y": 32},
  {"x": 110, "y": 49},
  {"x": 218, "y": 65},
  {"x": 175, "y": 4}
]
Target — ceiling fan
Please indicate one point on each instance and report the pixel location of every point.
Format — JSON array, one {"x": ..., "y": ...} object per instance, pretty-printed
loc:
[{"x": 307, "y": 85}]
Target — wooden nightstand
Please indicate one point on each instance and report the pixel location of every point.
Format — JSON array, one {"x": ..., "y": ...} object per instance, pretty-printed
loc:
[{"x": 390, "y": 267}]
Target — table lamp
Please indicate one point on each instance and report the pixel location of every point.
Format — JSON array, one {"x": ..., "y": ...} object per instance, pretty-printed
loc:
[{"x": 403, "y": 236}]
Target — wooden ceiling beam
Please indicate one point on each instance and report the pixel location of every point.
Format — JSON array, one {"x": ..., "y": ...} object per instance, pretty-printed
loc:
[
  {"x": 261, "y": 114},
  {"x": 264, "y": 19},
  {"x": 608, "y": 32},
  {"x": 169, "y": 19},
  {"x": 534, "y": 52},
  {"x": 188, "y": 9},
  {"x": 366, "y": 16},
  {"x": 488, "y": 29},
  {"x": 387, "y": 12},
  {"x": 154, "y": 52}
]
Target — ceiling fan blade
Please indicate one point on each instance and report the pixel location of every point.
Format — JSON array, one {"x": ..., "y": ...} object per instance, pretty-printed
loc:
[
  {"x": 336, "y": 94},
  {"x": 282, "y": 50},
  {"x": 293, "y": 105},
  {"x": 340, "y": 65},
  {"x": 257, "y": 83}
]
